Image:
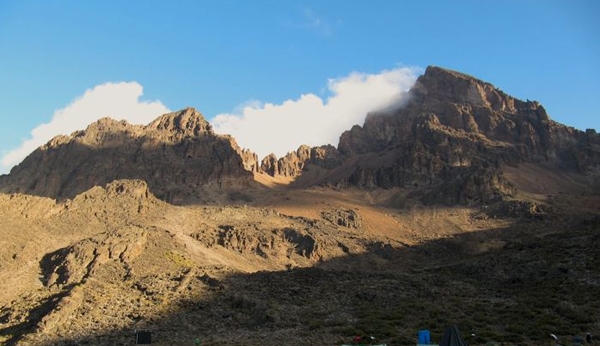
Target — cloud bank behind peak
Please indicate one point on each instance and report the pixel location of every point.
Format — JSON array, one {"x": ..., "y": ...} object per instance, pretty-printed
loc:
[{"x": 267, "y": 128}]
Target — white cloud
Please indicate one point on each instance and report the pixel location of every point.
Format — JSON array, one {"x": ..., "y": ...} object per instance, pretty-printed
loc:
[
  {"x": 119, "y": 101},
  {"x": 279, "y": 128}
]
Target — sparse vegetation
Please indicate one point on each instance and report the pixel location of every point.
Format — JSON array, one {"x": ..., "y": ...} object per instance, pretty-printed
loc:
[
  {"x": 507, "y": 280},
  {"x": 179, "y": 259}
]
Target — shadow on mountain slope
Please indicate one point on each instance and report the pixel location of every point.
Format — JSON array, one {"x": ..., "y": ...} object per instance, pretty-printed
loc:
[
  {"x": 512, "y": 285},
  {"x": 175, "y": 172}
]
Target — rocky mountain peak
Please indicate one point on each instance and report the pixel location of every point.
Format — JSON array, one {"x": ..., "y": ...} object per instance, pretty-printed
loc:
[
  {"x": 181, "y": 124},
  {"x": 453, "y": 137},
  {"x": 447, "y": 85},
  {"x": 456, "y": 103},
  {"x": 449, "y": 143},
  {"x": 177, "y": 155}
]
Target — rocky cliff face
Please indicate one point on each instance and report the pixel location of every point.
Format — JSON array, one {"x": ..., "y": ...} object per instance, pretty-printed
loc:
[
  {"x": 456, "y": 105},
  {"x": 453, "y": 137},
  {"x": 448, "y": 144},
  {"x": 177, "y": 154},
  {"x": 294, "y": 162}
]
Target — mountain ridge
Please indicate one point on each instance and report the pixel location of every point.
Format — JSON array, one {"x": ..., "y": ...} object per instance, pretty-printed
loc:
[
  {"x": 453, "y": 134},
  {"x": 178, "y": 154}
]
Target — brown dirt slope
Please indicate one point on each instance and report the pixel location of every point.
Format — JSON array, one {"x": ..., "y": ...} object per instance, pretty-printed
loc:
[{"x": 296, "y": 266}]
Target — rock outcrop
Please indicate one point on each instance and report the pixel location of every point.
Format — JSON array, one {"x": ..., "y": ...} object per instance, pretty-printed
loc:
[
  {"x": 178, "y": 155},
  {"x": 294, "y": 162}
]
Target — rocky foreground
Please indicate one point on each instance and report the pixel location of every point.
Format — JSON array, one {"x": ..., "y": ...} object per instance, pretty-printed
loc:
[{"x": 116, "y": 259}]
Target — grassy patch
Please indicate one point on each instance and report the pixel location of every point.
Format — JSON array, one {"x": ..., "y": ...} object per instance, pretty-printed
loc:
[{"x": 179, "y": 259}]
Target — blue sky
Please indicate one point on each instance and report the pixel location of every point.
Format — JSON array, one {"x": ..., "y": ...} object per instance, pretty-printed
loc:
[{"x": 235, "y": 58}]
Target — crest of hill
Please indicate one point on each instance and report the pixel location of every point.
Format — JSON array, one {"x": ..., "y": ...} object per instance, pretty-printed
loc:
[
  {"x": 177, "y": 154},
  {"x": 187, "y": 123}
]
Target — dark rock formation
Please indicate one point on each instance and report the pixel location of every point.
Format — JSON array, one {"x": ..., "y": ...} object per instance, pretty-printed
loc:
[
  {"x": 448, "y": 144},
  {"x": 270, "y": 165},
  {"x": 453, "y": 137},
  {"x": 342, "y": 217},
  {"x": 177, "y": 154},
  {"x": 294, "y": 162}
]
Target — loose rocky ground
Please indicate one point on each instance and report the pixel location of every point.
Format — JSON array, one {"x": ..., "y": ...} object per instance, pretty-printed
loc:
[{"x": 294, "y": 266}]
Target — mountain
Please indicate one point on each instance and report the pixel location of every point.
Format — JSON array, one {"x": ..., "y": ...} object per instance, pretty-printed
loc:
[
  {"x": 452, "y": 142},
  {"x": 178, "y": 155},
  {"x": 463, "y": 206}
]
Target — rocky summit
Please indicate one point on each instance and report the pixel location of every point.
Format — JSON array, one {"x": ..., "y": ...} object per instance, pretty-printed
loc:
[
  {"x": 462, "y": 206},
  {"x": 177, "y": 154},
  {"x": 452, "y": 141}
]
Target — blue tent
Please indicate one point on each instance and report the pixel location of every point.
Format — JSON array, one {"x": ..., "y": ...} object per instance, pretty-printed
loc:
[{"x": 423, "y": 337}]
